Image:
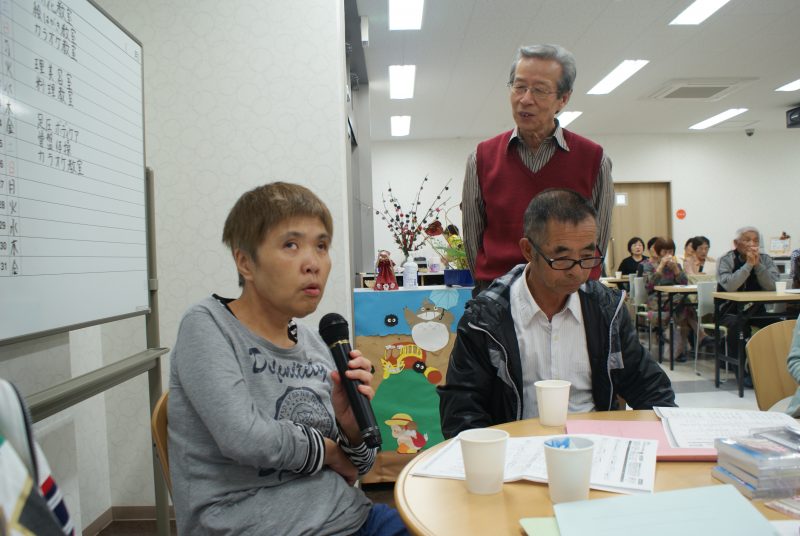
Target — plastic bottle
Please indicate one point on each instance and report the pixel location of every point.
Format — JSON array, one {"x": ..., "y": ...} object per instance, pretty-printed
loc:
[{"x": 410, "y": 270}]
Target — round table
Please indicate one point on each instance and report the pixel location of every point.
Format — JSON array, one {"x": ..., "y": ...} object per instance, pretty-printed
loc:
[{"x": 439, "y": 506}]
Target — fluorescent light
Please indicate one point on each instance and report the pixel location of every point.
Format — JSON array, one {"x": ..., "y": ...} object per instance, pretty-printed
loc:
[
  {"x": 364, "y": 31},
  {"x": 719, "y": 118},
  {"x": 791, "y": 86},
  {"x": 405, "y": 14},
  {"x": 699, "y": 11},
  {"x": 565, "y": 118},
  {"x": 401, "y": 81},
  {"x": 401, "y": 125},
  {"x": 622, "y": 72}
]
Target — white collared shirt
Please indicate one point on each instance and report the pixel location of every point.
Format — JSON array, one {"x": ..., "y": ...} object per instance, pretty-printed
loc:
[{"x": 551, "y": 350}]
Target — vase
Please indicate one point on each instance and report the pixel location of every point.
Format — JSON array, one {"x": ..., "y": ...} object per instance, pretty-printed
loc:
[
  {"x": 458, "y": 278},
  {"x": 410, "y": 271}
]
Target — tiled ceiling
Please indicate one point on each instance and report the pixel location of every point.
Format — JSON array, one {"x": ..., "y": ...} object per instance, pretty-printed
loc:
[{"x": 464, "y": 50}]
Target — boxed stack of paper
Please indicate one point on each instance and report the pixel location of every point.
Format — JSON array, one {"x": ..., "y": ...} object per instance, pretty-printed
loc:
[{"x": 763, "y": 465}]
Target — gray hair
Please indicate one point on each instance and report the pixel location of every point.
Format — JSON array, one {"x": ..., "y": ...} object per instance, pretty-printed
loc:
[
  {"x": 556, "y": 204},
  {"x": 748, "y": 229},
  {"x": 549, "y": 52}
]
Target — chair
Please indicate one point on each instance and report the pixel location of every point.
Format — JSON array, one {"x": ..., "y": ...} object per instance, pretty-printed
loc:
[
  {"x": 159, "y": 429},
  {"x": 767, "y": 351},
  {"x": 705, "y": 306},
  {"x": 639, "y": 296}
]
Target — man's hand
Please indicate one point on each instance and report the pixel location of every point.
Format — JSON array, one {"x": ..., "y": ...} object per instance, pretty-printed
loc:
[
  {"x": 359, "y": 370},
  {"x": 336, "y": 459},
  {"x": 752, "y": 256}
]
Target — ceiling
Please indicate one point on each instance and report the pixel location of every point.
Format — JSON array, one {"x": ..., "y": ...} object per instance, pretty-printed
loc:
[{"x": 465, "y": 47}]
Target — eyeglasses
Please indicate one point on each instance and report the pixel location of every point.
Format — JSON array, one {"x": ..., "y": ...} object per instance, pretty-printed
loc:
[
  {"x": 536, "y": 92},
  {"x": 567, "y": 264}
]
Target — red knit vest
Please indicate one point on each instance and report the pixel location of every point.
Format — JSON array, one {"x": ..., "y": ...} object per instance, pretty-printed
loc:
[{"x": 507, "y": 187}]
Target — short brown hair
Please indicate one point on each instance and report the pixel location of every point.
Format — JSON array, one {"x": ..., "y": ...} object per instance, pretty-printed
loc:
[
  {"x": 262, "y": 208},
  {"x": 662, "y": 244}
]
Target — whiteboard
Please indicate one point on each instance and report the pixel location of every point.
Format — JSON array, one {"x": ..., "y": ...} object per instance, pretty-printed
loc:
[{"x": 73, "y": 241}]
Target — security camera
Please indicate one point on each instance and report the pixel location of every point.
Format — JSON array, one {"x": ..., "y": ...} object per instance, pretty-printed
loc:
[{"x": 749, "y": 131}]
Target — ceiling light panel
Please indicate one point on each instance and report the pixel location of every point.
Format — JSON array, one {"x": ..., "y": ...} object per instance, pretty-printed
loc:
[
  {"x": 401, "y": 125},
  {"x": 699, "y": 11},
  {"x": 565, "y": 118},
  {"x": 405, "y": 14},
  {"x": 719, "y": 118},
  {"x": 622, "y": 72},
  {"x": 401, "y": 81},
  {"x": 791, "y": 86}
]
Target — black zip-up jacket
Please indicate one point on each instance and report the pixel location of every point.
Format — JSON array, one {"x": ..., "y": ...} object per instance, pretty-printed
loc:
[{"x": 484, "y": 377}]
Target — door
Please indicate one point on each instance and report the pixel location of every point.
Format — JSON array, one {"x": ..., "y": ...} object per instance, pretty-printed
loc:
[{"x": 642, "y": 209}]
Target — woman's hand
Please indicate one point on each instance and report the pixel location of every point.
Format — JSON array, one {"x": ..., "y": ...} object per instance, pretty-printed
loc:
[
  {"x": 360, "y": 368},
  {"x": 336, "y": 459}
]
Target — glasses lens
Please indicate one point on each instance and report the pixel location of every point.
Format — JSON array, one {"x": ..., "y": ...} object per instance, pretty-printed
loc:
[
  {"x": 591, "y": 263},
  {"x": 562, "y": 264}
]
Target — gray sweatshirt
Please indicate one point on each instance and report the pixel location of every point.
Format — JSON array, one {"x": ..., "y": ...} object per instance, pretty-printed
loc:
[
  {"x": 732, "y": 280},
  {"x": 246, "y": 420}
]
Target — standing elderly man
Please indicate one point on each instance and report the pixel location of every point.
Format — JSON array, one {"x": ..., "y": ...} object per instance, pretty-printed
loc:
[
  {"x": 545, "y": 320},
  {"x": 745, "y": 269},
  {"x": 505, "y": 172}
]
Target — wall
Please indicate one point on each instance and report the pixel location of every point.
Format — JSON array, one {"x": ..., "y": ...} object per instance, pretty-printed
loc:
[
  {"x": 722, "y": 180},
  {"x": 402, "y": 165},
  {"x": 236, "y": 94}
]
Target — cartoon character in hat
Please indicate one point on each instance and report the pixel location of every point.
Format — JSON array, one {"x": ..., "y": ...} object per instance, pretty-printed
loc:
[{"x": 404, "y": 430}]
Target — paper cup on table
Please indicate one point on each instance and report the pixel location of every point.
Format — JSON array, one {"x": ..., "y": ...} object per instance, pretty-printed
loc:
[
  {"x": 569, "y": 468},
  {"x": 552, "y": 396},
  {"x": 618, "y": 275},
  {"x": 484, "y": 454},
  {"x": 780, "y": 287}
]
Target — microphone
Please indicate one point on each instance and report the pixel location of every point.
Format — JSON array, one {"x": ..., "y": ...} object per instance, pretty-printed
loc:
[{"x": 334, "y": 331}]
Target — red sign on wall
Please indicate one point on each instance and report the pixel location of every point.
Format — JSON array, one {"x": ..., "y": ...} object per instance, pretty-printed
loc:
[{"x": 680, "y": 213}]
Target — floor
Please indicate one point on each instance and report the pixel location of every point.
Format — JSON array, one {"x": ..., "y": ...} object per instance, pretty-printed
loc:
[{"x": 692, "y": 389}]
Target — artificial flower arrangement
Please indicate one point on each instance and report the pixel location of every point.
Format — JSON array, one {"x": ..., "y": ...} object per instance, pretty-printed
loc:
[{"x": 408, "y": 226}]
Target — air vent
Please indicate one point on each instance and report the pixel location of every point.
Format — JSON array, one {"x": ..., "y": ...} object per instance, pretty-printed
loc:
[{"x": 699, "y": 89}]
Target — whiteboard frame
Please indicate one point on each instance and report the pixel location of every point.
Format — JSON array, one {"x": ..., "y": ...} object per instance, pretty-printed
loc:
[{"x": 149, "y": 204}]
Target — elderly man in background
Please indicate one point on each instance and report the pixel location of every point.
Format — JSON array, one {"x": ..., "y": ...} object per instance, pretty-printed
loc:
[
  {"x": 745, "y": 269},
  {"x": 507, "y": 171}
]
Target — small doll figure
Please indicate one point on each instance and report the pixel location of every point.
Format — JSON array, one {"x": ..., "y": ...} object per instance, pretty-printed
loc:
[{"x": 385, "y": 279}]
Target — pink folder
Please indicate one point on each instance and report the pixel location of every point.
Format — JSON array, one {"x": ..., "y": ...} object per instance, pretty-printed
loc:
[{"x": 643, "y": 430}]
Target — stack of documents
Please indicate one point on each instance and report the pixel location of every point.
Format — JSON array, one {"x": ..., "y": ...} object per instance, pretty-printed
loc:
[
  {"x": 699, "y": 427},
  {"x": 619, "y": 465}
]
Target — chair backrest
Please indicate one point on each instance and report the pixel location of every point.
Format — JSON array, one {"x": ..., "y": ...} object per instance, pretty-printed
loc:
[
  {"x": 705, "y": 298},
  {"x": 159, "y": 428},
  {"x": 631, "y": 277},
  {"x": 695, "y": 279},
  {"x": 639, "y": 291},
  {"x": 767, "y": 351}
]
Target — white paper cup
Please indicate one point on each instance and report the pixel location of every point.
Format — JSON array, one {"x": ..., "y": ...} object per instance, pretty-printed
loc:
[
  {"x": 780, "y": 287},
  {"x": 484, "y": 454},
  {"x": 618, "y": 275},
  {"x": 569, "y": 468},
  {"x": 552, "y": 396}
]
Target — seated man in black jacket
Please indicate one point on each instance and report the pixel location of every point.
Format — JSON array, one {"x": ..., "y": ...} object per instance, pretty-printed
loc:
[{"x": 545, "y": 320}]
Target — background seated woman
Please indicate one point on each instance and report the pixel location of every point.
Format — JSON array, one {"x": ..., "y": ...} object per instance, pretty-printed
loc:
[
  {"x": 663, "y": 269},
  {"x": 630, "y": 264},
  {"x": 700, "y": 262}
]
